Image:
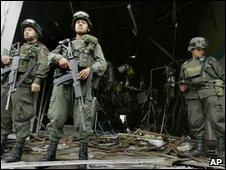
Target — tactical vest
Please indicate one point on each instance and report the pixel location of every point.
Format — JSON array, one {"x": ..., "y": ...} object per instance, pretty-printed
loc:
[
  {"x": 83, "y": 52},
  {"x": 28, "y": 54},
  {"x": 193, "y": 70},
  {"x": 197, "y": 71}
]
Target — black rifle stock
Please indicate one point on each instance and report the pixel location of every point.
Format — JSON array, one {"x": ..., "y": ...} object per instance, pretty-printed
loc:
[
  {"x": 13, "y": 72},
  {"x": 73, "y": 74}
]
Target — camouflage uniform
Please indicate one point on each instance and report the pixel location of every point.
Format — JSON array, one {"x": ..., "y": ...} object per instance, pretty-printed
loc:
[
  {"x": 21, "y": 110},
  {"x": 206, "y": 84},
  {"x": 22, "y": 100},
  {"x": 63, "y": 103}
]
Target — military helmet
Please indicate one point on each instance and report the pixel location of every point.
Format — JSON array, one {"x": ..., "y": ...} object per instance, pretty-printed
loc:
[
  {"x": 80, "y": 15},
  {"x": 33, "y": 24},
  {"x": 197, "y": 42}
]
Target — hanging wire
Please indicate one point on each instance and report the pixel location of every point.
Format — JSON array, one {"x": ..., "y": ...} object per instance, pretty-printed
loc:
[
  {"x": 71, "y": 8},
  {"x": 174, "y": 21}
]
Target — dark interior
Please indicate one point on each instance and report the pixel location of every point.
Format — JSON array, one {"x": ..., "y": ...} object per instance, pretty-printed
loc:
[
  {"x": 158, "y": 37},
  {"x": 113, "y": 26}
]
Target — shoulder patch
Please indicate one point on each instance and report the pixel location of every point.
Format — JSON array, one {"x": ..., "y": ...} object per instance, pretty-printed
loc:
[
  {"x": 212, "y": 58},
  {"x": 45, "y": 51}
]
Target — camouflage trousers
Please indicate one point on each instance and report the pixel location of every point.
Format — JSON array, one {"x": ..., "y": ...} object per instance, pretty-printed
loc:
[
  {"x": 63, "y": 105},
  {"x": 20, "y": 112},
  {"x": 201, "y": 110}
]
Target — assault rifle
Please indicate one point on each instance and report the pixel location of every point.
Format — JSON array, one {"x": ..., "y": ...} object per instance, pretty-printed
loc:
[
  {"x": 13, "y": 72},
  {"x": 73, "y": 74},
  {"x": 200, "y": 83}
]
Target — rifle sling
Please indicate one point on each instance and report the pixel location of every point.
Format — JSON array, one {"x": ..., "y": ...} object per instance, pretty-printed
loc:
[
  {"x": 62, "y": 79},
  {"x": 26, "y": 74}
]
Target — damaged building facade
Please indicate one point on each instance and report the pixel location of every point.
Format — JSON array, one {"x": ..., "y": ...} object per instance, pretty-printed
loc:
[{"x": 145, "y": 44}]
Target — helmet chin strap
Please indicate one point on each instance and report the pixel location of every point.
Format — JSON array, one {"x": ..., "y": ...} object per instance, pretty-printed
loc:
[
  {"x": 82, "y": 33},
  {"x": 31, "y": 39}
]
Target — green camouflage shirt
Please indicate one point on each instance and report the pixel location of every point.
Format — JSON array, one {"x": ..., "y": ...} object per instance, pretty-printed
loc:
[{"x": 33, "y": 52}]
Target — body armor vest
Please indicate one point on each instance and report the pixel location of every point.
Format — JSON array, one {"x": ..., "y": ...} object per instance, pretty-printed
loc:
[
  {"x": 83, "y": 52},
  {"x": 192, "y": 69},
  {"x": 28, "y": 55}
]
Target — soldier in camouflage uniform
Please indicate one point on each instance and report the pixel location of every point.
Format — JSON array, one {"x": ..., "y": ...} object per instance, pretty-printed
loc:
[
  {"x": 21, "y": 111},
  {"x": 63, "y": 102},
  {"x": 202, "y": 83}
]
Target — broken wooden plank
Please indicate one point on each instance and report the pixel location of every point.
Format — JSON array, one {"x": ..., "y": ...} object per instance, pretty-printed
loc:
[
  {"x": 80, "y": 162},
  {"x": 172, "y": 146},
  {"x": 162, "y": 135},
  {"x": 127, "y": 135}
]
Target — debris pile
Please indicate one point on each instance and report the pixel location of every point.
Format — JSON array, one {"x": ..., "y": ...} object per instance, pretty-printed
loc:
[{"x": 140, "y": 149}]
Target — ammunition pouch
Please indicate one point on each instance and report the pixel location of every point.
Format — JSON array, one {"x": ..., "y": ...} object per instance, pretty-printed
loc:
[
  {"x": 27, "y": 55},
  {"x": 85, "y": 58},
  {"x": 23, "y": 64},
  {"x": 84, "y": 52},
  {"x": 27, "y": 63},
  {"x": 219, "y": 87}
]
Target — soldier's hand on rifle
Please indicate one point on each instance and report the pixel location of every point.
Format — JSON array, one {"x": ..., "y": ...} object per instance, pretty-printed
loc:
[
  {"x": 183, "y": 87},
  {"x": 63, "y": 63},
  {"x": 35, "y": 87},
  {"x": 84, "y": 74},
  {"x": 6, "y": 59}
]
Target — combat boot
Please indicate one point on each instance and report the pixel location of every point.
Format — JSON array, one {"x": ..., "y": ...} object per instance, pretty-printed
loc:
[
  {"x": 199, "y": 148},
  {"x": 51, "y": 152},
  {"x": 221, "y": 149},
  {"x": 83, "y": 153},
  {"x": 16, "y": 152},
  {"x": 3, "y": 143}
]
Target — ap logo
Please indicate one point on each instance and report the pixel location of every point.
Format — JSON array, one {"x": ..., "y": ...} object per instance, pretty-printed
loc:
[{"x": 215, "y": 162}]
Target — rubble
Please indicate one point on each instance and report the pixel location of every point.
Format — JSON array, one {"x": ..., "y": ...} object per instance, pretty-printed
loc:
[{"x": 138, "y": 150}]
